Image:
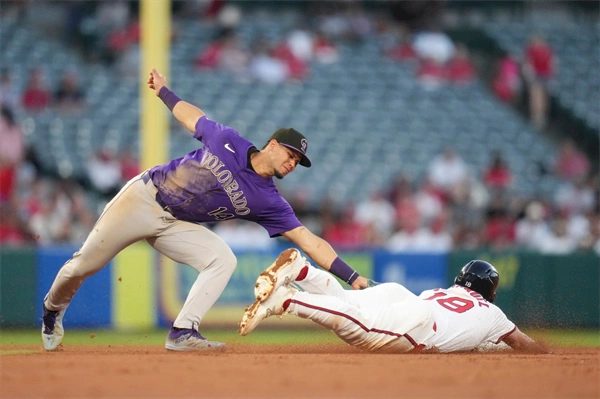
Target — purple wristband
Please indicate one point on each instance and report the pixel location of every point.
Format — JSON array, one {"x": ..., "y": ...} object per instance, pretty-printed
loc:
[
  {"x": 168, "y": 97},
  {"x": 340, "y": 269}
]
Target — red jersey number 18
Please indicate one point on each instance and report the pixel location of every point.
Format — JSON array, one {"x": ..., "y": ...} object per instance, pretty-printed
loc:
[{"x": 453, "y": 303}]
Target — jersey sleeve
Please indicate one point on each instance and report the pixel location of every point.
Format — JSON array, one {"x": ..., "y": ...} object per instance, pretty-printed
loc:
[
  {"x": 500, "y": 326},
  {"x": 208, "y": 130},
  {"x": 278, "y": 218}
]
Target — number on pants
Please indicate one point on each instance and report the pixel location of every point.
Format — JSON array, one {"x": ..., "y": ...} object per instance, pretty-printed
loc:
[{"x": 453, "y": 303}]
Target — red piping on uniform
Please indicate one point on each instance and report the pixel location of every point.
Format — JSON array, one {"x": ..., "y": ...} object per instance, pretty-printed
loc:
[
  {"x": 352, "y": 319},
  {"x": 506, "y": 335}
]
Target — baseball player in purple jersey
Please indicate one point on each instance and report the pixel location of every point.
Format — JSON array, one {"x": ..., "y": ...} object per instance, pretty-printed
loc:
[
  {"x": 227, "y": 178},
  {"x": 388, "y": 317}
]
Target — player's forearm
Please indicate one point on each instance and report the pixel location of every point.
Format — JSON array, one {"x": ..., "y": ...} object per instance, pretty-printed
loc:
[
  {"x": 522, "y": 343},
  {"x": 322, "y": 253},
  {"x": 186, "y": 113},
  {"x": 314, "y": 246}
]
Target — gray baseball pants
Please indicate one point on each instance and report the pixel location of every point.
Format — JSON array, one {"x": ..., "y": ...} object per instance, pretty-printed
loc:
[{"x": 133, "y": 215}]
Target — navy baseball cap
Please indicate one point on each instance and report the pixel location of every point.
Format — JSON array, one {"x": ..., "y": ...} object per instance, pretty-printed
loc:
[{"x": 295, "y": 140}]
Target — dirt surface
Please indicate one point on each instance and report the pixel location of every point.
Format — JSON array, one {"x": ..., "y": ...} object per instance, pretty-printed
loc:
[{"x": 294, "y": 372}]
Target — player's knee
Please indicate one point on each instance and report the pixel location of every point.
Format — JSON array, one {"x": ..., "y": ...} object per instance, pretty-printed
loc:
[
  {"x": 229, "y": 259},
  {"x": 74, "y": 270}
]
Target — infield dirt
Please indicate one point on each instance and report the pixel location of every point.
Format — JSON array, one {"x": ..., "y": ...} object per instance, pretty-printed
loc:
[{"x": 267, "y": 371}]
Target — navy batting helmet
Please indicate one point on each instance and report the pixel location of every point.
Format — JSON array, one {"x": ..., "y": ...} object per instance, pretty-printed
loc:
[{"x": 481, "y": 277}]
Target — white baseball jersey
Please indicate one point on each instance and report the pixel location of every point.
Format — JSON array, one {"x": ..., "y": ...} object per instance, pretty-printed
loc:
[{"x": 464, "y": 319}]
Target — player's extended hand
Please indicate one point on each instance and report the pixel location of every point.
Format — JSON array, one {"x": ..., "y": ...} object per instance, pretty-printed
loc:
[
  {"x": 156, "y": 81},
  {"x": 360, "y": 283}
]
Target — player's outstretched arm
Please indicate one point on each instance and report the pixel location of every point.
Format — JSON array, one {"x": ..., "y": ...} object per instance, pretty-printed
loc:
[
  {"x": 186, "y": 113},
  {"x": 321, "y": 252},
  {"x": 519, "y": 341}
]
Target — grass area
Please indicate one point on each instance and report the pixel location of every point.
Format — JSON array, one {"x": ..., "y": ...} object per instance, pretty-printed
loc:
[
  {"x": 258, "y": 337},
  {"x": 567, "y": 337}
]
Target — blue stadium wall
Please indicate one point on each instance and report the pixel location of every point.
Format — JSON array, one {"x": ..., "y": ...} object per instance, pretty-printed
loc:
[{"x": 139, "y": 290}]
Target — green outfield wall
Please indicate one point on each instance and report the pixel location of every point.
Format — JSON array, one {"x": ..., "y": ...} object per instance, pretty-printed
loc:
[
  {"x": 543, "y": 290},
  {"x": 18, "y": 280}
]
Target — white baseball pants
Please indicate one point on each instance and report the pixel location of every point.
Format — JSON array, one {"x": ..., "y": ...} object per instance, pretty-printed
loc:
[
  {"x": 387, "y": 317},
  {"x": 133, "y": 215}
]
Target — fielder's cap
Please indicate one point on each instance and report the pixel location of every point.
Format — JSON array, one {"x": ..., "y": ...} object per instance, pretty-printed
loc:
[{"x": 295, "y": 140}]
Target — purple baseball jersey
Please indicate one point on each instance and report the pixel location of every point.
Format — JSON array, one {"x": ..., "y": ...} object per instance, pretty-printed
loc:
[{"x": 214, "y": 183}]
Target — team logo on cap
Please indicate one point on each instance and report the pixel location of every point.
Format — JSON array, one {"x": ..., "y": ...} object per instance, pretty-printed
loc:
[{"x": 303, "y": 143}]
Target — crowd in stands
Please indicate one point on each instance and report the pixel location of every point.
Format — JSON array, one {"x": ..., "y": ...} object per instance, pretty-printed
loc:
[
  {"x": 450, "y": 207},
  {"x": 533, "y": 70},
  {"x": 37, "y": 96}
]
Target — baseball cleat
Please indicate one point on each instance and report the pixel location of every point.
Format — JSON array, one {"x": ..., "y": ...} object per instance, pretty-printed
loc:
[
  {"x": 272, "y": 305},
  {"x": 283, "y": 271},
  {"x": 52, "y": 328},
  {"x": 189, "y": 339}
]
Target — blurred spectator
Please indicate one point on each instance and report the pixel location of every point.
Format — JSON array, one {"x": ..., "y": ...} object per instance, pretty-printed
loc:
[
  {"x": 440, "y": 239},
  {"x": 300, "y": 42},
  {"x": 69, "y": 97},
  {"x": 104, "y": 172},
  {"x": 345, "y": 232},
  {"x": 498, "y": 176},
  {"x": 447, "y": 170},
  {"x": 558, "y": 242},
  {"x": 130, "y": 166},
  {"x": 9, "y": 97},
  {"x": 112, "y": 15},
  {"x": 225, "y": 53},
  {"x": 359, "y": 24},
  {"x": 324, "y": 49},
  {"x": 296, "y": 67},
  {"x": 407, "y": 210},
  {"x": 36, "y": 96},
  {"x": 591, "y": 241},
  {"x": 12, "y": 231},
  {"x": 52, "y": 223},
  {"x": 210, "y": 56},
  {"x": 402, "y": 237},
  {"x": 431, "y": 73},
  {"x": 434, "y": 45},
  {"x": 212, "y": 8},
  {"x": 239, "y": 234},
  {"x": 400, "y": 46},
  {"x": 12, "y": 151},
  {"x": 575, "y": 197},
  {"x": 532, "y": 229},
  {"x": 433, "y": 237},
  {"x": 234, "y": 57},
  {"x": 266, "y": 68},
  {"x": 229, "y": 17},
  {"x": 429, "y": 201},
  {"x": 507, "y": 82},
  {"x": 538, "y": 70},
  {"x": 571, "y": 164},
  {"x": 128, "y": 64},
  {"x": 500, "y": 229},
  {"x": 460, "y": 68},
  {"x": 82, "y": 220},
  {"x": 378, "y": 212},
  {"x": 333, "y": 23}
]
